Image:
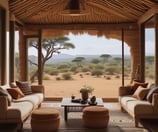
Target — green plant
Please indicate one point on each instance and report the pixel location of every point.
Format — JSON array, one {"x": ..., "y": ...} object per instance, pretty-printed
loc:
[
  {"x": 97, "y": 73},
  {"x": 53, "y": 71},
  {"x": 67, "y": 76},
  {"x": 86, "y": 89},
  {"x": 46, "y": 77}
]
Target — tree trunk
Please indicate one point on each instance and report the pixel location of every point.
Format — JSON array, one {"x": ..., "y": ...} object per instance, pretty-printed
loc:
[{"x": 33, "y": 76}]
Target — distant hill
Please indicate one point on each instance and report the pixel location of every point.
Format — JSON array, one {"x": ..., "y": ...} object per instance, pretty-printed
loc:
[{"x": 68, "y": 58}]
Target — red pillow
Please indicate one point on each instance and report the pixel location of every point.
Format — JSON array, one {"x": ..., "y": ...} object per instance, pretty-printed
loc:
[
  {"x": 140, "y": 93},
  {"x": 136, "y": 84},
  {"x": 16, "y": 93}
]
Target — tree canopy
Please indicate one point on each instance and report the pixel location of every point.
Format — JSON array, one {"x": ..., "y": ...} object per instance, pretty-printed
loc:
[{"x": 49, "y": 48}]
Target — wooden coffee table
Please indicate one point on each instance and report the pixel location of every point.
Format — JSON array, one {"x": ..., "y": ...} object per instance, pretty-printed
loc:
[{"x": 70, "y": 106}]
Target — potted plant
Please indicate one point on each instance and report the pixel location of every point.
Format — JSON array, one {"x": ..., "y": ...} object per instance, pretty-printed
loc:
[{"x": 85, "y": 91}]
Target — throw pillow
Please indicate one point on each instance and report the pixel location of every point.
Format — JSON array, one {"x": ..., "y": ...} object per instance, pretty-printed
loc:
[
  {"x": 5, "y": 93},
  {"x": 25, "y": 87},
  {"x": 136, "y": 84},
  {"x": 151, "y": 85},
  {"x": 13, "y": 85},
  {"x": 16, "y": 93},
  {"x": 140, "y": 93},
  {"x": 151, "y": 92}
]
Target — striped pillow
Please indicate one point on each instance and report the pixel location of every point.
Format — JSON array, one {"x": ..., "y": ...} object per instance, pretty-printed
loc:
[{"x": 25, "y": 87}]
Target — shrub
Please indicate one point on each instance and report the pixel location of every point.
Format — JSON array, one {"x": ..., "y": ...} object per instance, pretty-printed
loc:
[
  {"x": 97, "y": 73},
  {"x": 108, "y": 78},
  {"x": 46, "y": 77},
  {"x": 53, "y": 72},
  {"x": 111, "y": 70},
  {"x": 85, "y": 70},
  {"x": 64, "y": 70},
  {"x": 58, "y": 78},
  {"x": 73, "y": 69},
  {"x": 99, "y": 67},
  {"x": 151, "y": 76},
  {"x": 117, "y": 76},
  {"x": 62, "y": 66},
  {"x": 87, "y": 73},
  {"x": 67, "y": 76},
  {"x": 90, "y": 67},
  {"x": 81, "y": 75}
]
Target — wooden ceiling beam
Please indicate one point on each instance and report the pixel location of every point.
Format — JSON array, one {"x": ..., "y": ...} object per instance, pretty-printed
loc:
[
  {"x": 146, "y": 16},
  {"x": 117, "y": 13},
  {"x": 126, "y": 26},
  {"x": 17, "y": 21}
]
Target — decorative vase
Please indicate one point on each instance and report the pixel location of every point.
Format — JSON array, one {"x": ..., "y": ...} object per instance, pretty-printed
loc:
[
  {"x": 93, "y": 99},
  {"x": 84, "y": 96}
]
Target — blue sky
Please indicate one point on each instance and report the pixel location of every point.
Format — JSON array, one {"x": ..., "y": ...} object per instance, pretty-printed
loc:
[{"x": 93, "y": 45}]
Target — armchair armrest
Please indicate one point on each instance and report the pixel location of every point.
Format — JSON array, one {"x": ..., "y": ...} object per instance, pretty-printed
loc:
[
  {"x": 4, "y": 106},
  {"x": 125, "y": 90},
  {"x": 155, "y": 102},
  {"x": 37, "y": 88}
]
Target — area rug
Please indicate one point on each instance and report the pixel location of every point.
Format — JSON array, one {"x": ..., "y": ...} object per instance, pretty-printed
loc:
[{"x": 119, "y": 121}]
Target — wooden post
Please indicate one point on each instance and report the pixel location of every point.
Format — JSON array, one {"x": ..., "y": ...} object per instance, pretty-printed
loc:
[
  {"x": 156, "y": 49},
  {"x": 40, "y": 74},
  {"x": 23, "y": 56},
  {"x": 122, "y": 57},
  {"x": 11, "y": 50},
  {"x": 142, "y": 52},
  {"x": 3, "y": 49}
]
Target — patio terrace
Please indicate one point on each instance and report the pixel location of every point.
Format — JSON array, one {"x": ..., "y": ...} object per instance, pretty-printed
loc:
[{"x": 120, "y": 19}]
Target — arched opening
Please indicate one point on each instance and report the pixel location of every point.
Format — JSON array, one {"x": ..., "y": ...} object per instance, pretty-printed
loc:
[
  {"x": 113, "y": 66},
  {"x": 90, "y": 47}
]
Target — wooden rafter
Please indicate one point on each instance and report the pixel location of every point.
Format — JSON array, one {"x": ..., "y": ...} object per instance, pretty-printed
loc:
[
  {"x": 148, "y": 14},
  {"x": 109, "y": 10}
]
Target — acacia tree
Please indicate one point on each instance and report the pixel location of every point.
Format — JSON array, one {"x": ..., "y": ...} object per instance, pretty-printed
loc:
[
  {"x": 49, "y": 48},
  {"x": 105, "y": 57},
  {"x": 78, "y": 60}
]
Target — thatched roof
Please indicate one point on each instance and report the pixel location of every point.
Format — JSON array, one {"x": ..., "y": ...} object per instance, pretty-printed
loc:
[
  {"x": 49, "y": 14},
  {"x": 99, "y": 11}
]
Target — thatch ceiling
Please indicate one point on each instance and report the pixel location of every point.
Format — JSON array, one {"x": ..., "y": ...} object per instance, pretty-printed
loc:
[
  {"x": 102, "y": 15},
  {"x": 99, "y": 11}
]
